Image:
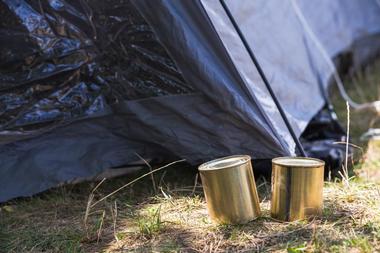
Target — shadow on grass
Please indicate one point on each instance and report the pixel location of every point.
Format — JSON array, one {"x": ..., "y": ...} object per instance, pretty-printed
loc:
[{"x": 174, "y": 220}]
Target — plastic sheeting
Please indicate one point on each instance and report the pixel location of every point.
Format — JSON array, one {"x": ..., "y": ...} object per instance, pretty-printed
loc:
[
  {"x": 62, "y": 61},
  {"x": 324, "y": 138},
  {"x": 85, "y": 85},
  {"x": 286, "y": 52}
]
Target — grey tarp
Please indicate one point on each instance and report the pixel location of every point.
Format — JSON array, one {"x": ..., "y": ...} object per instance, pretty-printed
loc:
[
  {"x": 290, "y": 59},
  {"x": 223, "y": 109}
]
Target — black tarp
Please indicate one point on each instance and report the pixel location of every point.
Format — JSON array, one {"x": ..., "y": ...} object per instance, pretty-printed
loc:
[{"x": 85, "y": 85}]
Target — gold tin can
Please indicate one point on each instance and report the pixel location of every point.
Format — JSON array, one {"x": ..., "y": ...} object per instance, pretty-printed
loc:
[
  {"x": 230, "y": 189},
  {"x": 297, "y": 188}
]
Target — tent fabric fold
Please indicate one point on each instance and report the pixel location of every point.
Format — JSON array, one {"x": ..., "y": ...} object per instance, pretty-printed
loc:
[{"x": 87, "y": 85}]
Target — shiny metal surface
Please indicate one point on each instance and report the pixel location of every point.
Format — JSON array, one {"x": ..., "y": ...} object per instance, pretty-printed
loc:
[
  {"x": 230, "y": 190},
  {"x": 297, "y": 188}
]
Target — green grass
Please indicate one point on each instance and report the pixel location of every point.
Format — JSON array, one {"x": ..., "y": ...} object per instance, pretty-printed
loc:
[
  {"x": 150, "y": 223},
  {"x": 175, "y": 220},
  {"x": 32, "y": 238}
]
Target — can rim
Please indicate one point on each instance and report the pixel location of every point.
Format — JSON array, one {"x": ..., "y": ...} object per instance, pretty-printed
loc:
[
  {"x": 222, "y": 163},
  {"x": 318, "y": 162}
]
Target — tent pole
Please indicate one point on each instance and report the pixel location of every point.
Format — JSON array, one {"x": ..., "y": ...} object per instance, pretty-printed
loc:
[{"x": 263, "y": 77}]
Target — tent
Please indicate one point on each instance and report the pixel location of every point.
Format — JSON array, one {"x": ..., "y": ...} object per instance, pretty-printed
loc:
[{"x": 87, "y": 85}]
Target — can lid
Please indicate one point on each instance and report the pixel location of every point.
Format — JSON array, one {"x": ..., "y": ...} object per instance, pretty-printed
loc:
[
  {"x": 305, "y": 162},
  {"x": 225, "y": 162}
]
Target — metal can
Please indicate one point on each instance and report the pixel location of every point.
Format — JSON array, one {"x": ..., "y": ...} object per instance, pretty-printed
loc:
[
  {"x": 230, "y": 189},
  {"x": 297, "y": 188}
]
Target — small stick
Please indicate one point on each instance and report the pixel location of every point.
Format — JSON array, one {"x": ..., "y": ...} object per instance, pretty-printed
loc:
[
  {"x": 114, "y": 217},
  {"x": 195, "y": 184},
  {"x": 345, "y": 171},
  {"x": 100, "y": 226},
  {"x": 151, "y": 175},
  {"x": 89, "y": 201}
]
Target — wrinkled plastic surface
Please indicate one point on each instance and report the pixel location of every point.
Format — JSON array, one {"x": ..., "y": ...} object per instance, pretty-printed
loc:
[
  {"x": 85, "y": 85},
  {"x": 94, "y": 87},
  {"x": 65, "y": 60}
]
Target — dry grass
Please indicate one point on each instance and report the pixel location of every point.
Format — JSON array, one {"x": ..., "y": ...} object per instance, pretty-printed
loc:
[
  {"x": 369, "y": 171},
  {"x": 363, "y": 86},
  {"x": 350, "y": 220},
  {"x": 175, "y": 219}
]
